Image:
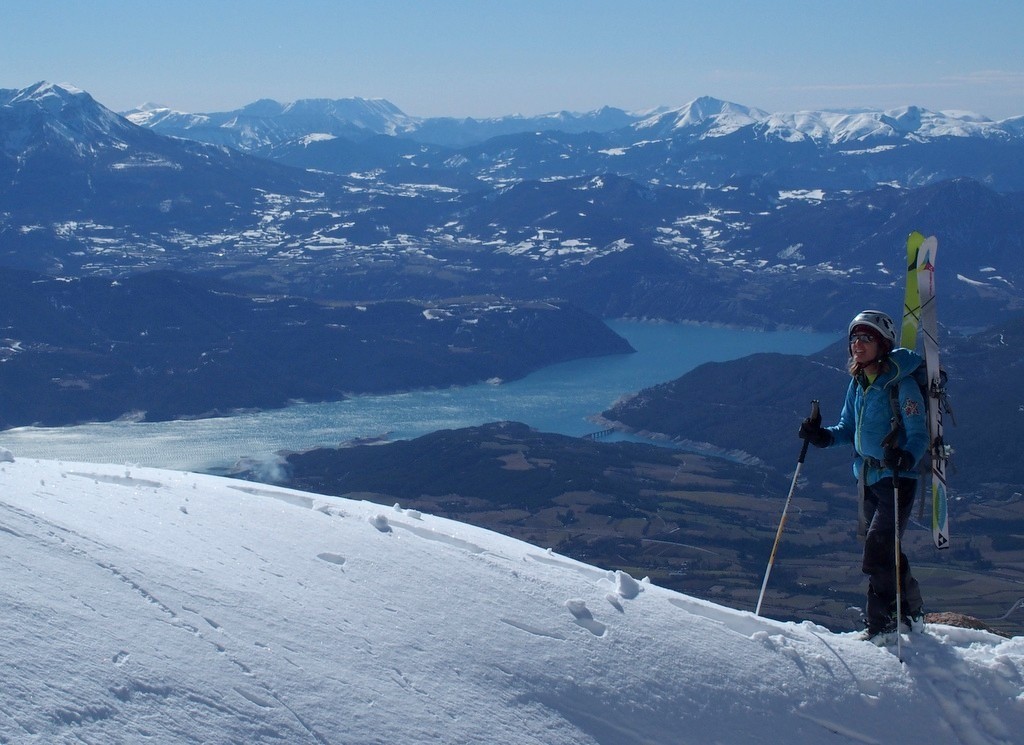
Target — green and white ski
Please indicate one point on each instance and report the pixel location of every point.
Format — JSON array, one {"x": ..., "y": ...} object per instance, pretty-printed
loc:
[
  {"x": 936, "y": 399},
  {"x": 912, "y": 295}
]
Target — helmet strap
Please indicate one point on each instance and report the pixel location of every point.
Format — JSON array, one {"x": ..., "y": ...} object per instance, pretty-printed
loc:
[{"x": 883, "y": 351}]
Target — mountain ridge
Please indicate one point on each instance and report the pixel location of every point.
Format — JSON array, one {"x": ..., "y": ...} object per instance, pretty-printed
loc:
[{"x": 706, "y": 115}]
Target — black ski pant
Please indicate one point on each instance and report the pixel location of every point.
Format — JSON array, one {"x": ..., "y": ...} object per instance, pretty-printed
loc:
[{"x": 879, "y": 554}]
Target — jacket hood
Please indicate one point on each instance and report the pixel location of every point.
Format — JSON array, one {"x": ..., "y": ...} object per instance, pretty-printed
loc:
[{"x": 903, "y": 362}]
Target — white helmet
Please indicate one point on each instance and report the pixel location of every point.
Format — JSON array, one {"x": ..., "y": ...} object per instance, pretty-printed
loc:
[{"x": 878, "y": 321}]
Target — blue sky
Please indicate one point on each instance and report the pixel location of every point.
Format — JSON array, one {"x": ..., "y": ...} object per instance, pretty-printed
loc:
[{"x": 491, "y": 57}]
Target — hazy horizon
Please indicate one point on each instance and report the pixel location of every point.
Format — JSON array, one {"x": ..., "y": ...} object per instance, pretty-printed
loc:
[{"x": 480, "y": 59}]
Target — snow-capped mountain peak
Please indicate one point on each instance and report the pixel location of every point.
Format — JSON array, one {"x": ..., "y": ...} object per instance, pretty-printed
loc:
[
  {"x": 710, "y": 116},
  {"x": 53, "y": 98},
  {"x": 705, "y": 107},
  {"x": 860, "y": 125},
  {"x": 60, "y": 111},
  {"x": 54, "y": 94},
  {"x": 267, "y": 122},
  {"x": 152, "y": 116}
]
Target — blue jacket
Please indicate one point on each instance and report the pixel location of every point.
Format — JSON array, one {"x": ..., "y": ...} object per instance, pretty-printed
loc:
[{"x": 867, "y": 417}]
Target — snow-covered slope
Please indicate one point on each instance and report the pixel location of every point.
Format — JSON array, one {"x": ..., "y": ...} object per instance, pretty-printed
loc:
[
  {"x": 154, "y": 606},
  {"x": 47, "y": 112},
  {"x": 909, "y": 122},
  {"x": 710, "y": 117},
  {"x": 267, "y": 122},
  {"x": 705, "y": 116}
]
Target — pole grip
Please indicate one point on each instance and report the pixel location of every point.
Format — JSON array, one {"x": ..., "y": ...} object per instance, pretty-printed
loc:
[{"x": 815, "y": 415}]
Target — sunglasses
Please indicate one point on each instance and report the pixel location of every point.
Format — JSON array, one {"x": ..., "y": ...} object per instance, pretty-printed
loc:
[{"x": 862, "y": 338}]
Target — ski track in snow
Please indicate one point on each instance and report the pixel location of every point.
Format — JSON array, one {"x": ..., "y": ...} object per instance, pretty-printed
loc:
[
  {"x": 933, "y": 663},
  {"x": 254, "y": 691}
]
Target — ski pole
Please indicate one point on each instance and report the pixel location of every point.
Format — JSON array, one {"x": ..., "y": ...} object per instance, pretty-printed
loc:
[
  {"x": 896, "y": 548},
  {"x": 893, "y": 440},
  {"x": 815, "y": 415}
]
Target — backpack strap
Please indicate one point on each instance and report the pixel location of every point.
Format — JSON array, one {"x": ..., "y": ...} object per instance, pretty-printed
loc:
[
  {"x": 924, "y": 465},
  {"x": 894, "y": 401}
]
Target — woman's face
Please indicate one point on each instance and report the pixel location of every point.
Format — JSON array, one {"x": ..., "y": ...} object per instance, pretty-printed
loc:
[{"x": 863, "y": 347}]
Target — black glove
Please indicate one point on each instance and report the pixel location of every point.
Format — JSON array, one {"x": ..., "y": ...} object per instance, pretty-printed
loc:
[
  {"x": 812, "y": 431},
  {"x": 897, "y": 460}
]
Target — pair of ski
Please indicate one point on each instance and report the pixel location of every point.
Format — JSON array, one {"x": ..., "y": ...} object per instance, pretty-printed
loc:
[{"x": 919, "y": 314}]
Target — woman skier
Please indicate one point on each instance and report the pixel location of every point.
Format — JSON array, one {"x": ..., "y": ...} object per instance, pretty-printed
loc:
[{"x": 884, "y": 418}]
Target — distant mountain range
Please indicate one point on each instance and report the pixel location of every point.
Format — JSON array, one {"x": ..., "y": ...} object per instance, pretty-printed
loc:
[
  {"x": 705, "y": 143},
  {"x": 711, "y": 212},
  {"x": 269, "y": 122}
]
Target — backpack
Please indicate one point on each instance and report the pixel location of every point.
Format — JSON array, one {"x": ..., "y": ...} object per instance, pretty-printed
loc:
[{"x": 940, "y": 398}]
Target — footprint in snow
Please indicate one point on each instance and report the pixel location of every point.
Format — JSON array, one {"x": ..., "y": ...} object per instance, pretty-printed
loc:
[
  {"x": 332, "y": 558},
  {"x": 585, "y": 618}
]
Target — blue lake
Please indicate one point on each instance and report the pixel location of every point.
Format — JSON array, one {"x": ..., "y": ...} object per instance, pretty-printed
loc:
[{"x": 561, "y": 398}]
